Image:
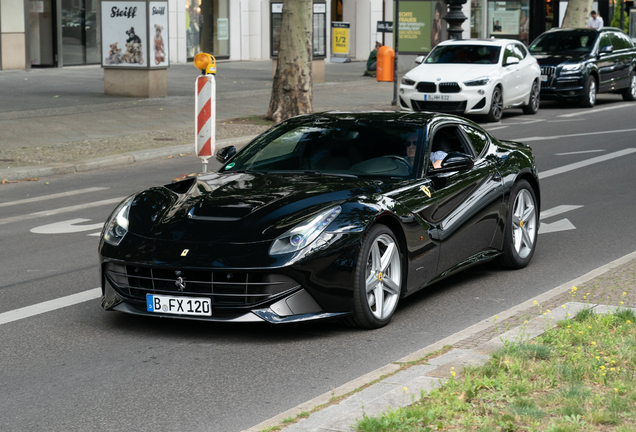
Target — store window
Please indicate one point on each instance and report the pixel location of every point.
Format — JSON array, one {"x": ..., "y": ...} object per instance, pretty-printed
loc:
[
  {"x": 421, "y": 25},
  {"x": 477, "y": 16},
  {"x": 319, "y": 28},
  {"x": 207, "y": 27},
  {"x": 509, "y": 19}
]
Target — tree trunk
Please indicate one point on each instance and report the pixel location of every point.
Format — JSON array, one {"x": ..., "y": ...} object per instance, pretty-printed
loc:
[
  {"x": 577, "y": 14},
  {"x": 292, "y": 88}
]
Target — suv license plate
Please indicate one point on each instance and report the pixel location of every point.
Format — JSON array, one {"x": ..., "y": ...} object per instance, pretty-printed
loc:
[
  {"x": 437, "y": 98},
  {"x": 196, "y": 306}
]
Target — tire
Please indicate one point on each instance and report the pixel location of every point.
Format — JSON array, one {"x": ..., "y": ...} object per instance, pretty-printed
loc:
[
  {"x": 378, "y": 275},
  {"x": 496, "y": 106},
  {"x": 533, "y": 100},
  {"x": 522, "y": 227},
  {"x": 588, "y": 98},
  {"x": 629, "y": 94}
]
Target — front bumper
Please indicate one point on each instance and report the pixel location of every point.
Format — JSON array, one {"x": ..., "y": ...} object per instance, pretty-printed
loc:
[
  {"x": 314, "y": 284},
  {"x": 469, "y": 100},
  {"x": 562, "y": 87}
]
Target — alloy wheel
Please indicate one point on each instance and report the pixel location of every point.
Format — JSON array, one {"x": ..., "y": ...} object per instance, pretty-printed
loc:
[
  {"x": 524, "y": 224},
  {"x": 633, "y": 86},
  {"x": 383, "y": 277},
  {"x": 534, "y": 100},
  {"x": 497, "y": 104},
  {"x": 592, "y": 93}
]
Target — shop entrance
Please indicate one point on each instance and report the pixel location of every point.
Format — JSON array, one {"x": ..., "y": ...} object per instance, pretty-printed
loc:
[
  {"x": 41, "y": 33},
  {"x": 80, "y": 33}
]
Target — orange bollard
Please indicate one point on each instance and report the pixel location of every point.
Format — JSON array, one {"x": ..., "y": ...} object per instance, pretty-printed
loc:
[{"x": 385, "y": 61}]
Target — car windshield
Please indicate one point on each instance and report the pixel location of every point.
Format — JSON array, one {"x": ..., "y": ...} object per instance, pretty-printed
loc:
[
  {"x": 564, "y": 42},
  {"x": 478, "y": 54},
  {"x": 334, "y": 146}
]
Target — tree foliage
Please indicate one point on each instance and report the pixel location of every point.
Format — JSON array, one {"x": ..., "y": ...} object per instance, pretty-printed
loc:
[
  {"x": 616, "y": 20},
  {"x": 292, "y": 87},
  {"x": 577, "y": 14}
]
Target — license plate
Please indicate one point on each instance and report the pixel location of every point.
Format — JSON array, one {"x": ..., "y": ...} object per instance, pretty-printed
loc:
[
  {"x": 544, "y": 78},
  {"x": 179, "y": 305},
  {"x": 437, "y": 98}
]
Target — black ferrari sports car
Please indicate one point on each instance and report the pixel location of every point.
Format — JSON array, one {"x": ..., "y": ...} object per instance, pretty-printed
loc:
[{"x": 329, "y": 215}]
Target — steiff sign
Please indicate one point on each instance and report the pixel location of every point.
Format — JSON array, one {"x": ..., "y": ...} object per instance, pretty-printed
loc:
[{"x": 135, "y": 34}]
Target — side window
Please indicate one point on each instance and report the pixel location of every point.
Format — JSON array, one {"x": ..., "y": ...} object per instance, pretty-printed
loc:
[
  {"x": 448, "y": 139},
  {"x": 521, "y": 52},
  {"x": 509, "y": 52},
  {"x": 605, "y": 40},
  {"x": 477, "y": 138},
  {"x": 627, "y": 41}
]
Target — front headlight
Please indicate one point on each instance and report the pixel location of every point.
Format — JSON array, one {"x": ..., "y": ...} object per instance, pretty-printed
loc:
[
  {"x": 571, "y": 67},
  {"x": 117, "y": 227},
  {"x": 408, "y": 81},
  {"x": 481, "y": 81},
  {"x": 304, "y": 234}
]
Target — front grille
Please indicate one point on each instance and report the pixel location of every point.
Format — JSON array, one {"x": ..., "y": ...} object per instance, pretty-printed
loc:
[
  {"x": 548, "y": 70},
  {"x": 448, "y": 107},
  {"x": 225, "y": 288},
  {"x": 426, "y": 87},
  {"x": 449, "y": 87}
]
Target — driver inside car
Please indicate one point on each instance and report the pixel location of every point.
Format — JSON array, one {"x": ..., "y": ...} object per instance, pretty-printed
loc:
[{"x": 411, "y": 148}]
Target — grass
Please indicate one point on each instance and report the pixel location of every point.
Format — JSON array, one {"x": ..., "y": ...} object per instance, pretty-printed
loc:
[{"x": 577, "y": 376}]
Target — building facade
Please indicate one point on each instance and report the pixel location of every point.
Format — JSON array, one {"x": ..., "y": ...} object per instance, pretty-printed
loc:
[{"x": 56, "y": 33}]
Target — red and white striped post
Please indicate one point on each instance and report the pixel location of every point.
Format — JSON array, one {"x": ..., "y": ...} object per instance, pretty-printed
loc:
[{"x": 205, "y": 108}]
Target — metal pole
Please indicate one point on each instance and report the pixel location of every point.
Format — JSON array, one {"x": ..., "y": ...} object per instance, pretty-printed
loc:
[
  {"x": 622, "y": 20},
  {"x": 396, "y": 32}
]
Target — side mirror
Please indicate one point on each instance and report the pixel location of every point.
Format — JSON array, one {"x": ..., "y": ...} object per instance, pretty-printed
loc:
[
  {"x": 456, "y": 162},
  {"x": 511, "y": 61},
  {"x": 224, "y": 154},
  {"x": 607, "y": 49},
  {"x": 419, "y": 59}
]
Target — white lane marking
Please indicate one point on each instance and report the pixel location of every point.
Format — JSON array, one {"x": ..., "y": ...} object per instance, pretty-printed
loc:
[
  {"x": 496, "y": 128},
  {"x": 585, "y": 163},
  {"x": 594, "y": 111},
  {"x": 546, "y": 138},
  {"x": 60, "y": 210},
  {"x": 53, "y": 196},
  {"x": 65, "y": 227},
  {"x": 560, "y": 225},
  {"x": 48, "y": 306},
  {"x": 555, "y": 211},
  {"x": 97, "y": 234},
  {"x": 578, "y": 152}
]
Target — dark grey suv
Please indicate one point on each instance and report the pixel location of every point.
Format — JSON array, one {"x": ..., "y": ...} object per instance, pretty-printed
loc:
[{"x": 579, "y": 63}]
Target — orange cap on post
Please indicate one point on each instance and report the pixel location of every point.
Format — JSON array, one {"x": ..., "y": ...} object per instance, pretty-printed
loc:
[{"x": 205, "y": 62}]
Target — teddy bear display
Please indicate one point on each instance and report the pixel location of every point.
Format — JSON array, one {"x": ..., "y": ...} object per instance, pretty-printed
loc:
[
  {"x": 114, "y": 55},
  {"x": 132, "y": 37},
  {"x": 160, "y": 53}
]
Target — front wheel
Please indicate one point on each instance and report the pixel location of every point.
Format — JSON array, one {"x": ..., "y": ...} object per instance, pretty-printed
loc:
[
  {"x": 522, "y": 226},
  {"x": 378, "y": 279},
  {"x": 629, "y": 94},
  {"x": 588, "y": 98},
  {"x": 533, "y": 101},
  {"x": 496, "y": 106}
]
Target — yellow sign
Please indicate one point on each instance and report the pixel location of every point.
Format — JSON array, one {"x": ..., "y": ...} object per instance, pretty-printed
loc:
[{"x": 340, "y": 38}]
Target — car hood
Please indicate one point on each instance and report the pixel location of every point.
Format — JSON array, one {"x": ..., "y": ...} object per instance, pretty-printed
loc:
[
  {"x": 557, "y": 59},
  {"x": 239, "y": 207},
  {"x": 450, "y": 72}
]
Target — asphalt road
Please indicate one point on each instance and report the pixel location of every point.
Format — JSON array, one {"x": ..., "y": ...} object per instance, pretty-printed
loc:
[{"x": 80, "y": 368}]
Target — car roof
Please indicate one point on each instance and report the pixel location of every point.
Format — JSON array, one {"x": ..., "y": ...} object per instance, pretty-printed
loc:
[
  {"x": 584, "y": 29},
  {"x": 491, "y": 41},
  {"x": 391, "y": 116}
]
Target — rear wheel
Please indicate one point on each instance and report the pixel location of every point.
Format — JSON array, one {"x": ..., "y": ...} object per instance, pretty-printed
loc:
[
  {"x": 629, "y": 94},
  {"x": 378, "y": 279},
  {"x": 496, "y": 106},
  {"x": 588, "y": 98},
  {"x": 520, "y": 237},
  {"x": 533, "y": 101}
]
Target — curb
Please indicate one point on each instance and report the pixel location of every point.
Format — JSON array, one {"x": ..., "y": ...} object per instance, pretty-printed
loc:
[
  {"x": 458, "y": 360},
  {"x": 21, "y": 173}
]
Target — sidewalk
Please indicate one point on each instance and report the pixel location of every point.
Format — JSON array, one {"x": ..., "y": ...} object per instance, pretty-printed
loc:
[
  {"x": 606, "y": 288},
  {"x": 61, "y": 116}
]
